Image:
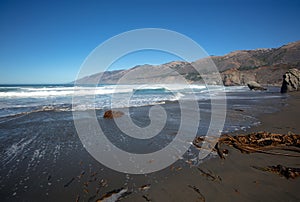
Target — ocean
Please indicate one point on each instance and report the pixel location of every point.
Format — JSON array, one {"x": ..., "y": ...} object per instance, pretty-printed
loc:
[
  {"x": 16, "y": 100},
  {"x": 42, "y": 157},
  {"x": 24, "y": 99}
]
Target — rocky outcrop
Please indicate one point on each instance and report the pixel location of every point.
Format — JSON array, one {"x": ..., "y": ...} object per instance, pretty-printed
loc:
[
  {"x": 255, "y": 86},
  {"x": 291, "y": 81},
  {"x": 231, "y": 77},
  {"x": 235, "y": 77},
  {"x": 110, "y": 114}
]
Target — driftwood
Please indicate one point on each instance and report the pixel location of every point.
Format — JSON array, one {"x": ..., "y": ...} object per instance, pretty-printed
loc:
[{"x": 255, "y": 142}]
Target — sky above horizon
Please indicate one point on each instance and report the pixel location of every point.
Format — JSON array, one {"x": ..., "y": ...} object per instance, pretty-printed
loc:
[{"x": 47, "y": 41}]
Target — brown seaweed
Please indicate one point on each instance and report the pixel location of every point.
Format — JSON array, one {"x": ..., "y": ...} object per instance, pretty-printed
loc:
[
  {"x": 115, "y": 194},
  {"x": 287, "y": 172},
  {"x": 261, "y": 142},
  {"x": 202, "y": 198},
  {"x": 209, "y": 175},
  {"x": 145, "y": 187},
  {"x": 146, "y": 197},
  {"x": 77, "y": 198},
  {"x": 69, "y": 182}
]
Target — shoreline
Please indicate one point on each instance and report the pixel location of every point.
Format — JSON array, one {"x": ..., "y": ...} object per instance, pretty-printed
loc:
[
  {"x": 215, "y": 179},
  {"x": 284, "y": 120},
  {"x": 235, "y": 178}
]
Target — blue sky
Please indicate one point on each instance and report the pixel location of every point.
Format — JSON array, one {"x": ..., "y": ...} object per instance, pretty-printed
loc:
[{"x": 47, "y": 41}]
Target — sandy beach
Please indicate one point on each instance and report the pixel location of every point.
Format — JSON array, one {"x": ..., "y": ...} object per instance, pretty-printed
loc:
[
  {"x": 44, "y": 160},
  {"x": 234, "y": 178}
]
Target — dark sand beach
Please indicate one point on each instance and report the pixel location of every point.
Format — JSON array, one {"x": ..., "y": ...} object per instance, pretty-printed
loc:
[
  {"x": 43, "y": 160},
  {"x": 234, "y": 178}
]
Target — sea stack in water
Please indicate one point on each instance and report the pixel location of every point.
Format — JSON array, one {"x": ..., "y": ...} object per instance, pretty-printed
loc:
[
  {"x": 255, "y": 86},
  {"x": 291, "y": 81},
  {"x": 112, "y": 114}
]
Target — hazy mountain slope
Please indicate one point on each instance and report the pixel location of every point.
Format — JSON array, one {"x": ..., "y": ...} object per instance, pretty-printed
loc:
[{"x": 265, "y": 66}]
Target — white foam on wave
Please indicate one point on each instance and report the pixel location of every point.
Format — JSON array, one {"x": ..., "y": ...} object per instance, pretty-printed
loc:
[
  {"x": 63, "y": 91},
  {"x": 34, "y": 94},
  {"x": 194, "y": 86},
  {"x": 31, "y": 92},
  {"x": 35, "y": 99}
]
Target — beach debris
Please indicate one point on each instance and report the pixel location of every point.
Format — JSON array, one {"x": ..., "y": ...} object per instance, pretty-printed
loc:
[
  {"x": 178, "y": 168},
  {"x": 219, "y": 152},
  {"x": 189, "y": 162},
  {"x": 86, "y": 190},
  {"x": 69, "y": 182},
  {"x": 287, "y": 172},
  {"x": 225, "y": 152},
  {"x": 196, "y": 189},
  {"x": 77, "y": 198},
  {"x": 86, "y": 184},
  {"x": 254, "y": 142},
  {"x": 93, "y": 179},
  {"x": 114, "y": 195},
  {"x": 146, "y": 197},
  {"x": 145, "y": 187},
  {"x": 103, "y": 183},
  {"x": 208, "y": 143},
  {"x": 262, "y": 141},
  {"x": 205, "y": 142},
  {"x": 93, "y": 174},
  {"x": 81, "y": 174},
  {"x": 110, "y": 114},
  {"x": 209, "y": 175},
  {"x": 174, "y": 168}
]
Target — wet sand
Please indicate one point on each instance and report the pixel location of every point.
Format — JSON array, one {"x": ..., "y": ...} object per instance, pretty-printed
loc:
[
  {"x": 234, "y": 178},
  {"x": 47, "y": 162}
]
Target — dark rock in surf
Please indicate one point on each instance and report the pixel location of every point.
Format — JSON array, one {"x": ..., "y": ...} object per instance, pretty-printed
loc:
[
  {"x": 255, "y": 86},
  {"x": 110, "y": 114},
  {"x": 291, "y": 81}
]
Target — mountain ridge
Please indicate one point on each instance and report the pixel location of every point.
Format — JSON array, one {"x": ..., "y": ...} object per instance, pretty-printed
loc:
[{"x": 263, "y": 65}]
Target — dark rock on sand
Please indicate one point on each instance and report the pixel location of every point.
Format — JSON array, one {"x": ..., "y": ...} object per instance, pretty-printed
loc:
[
  {"x": 291, "y": 81},
  {"x": 112, "y": 114},
  {"x": 255, "y": 86}
]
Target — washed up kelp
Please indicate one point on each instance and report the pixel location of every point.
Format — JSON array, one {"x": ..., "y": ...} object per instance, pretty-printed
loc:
[
  {"x": 114, "y": 195},
  {"x": 254, "y": 142},
  {"x": 287, "y": 172}
]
